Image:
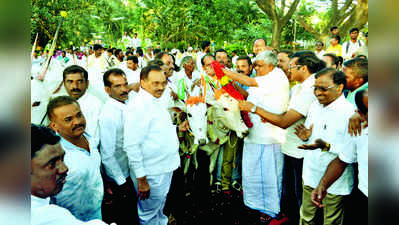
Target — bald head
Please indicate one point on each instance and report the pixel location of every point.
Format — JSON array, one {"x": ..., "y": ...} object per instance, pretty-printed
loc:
[{"x": 259, "y": 46}]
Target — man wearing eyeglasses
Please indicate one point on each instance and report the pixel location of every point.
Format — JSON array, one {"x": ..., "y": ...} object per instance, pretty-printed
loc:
[
  {"x": 323, "y": 131},
  {"x": 303, "y": 65}
]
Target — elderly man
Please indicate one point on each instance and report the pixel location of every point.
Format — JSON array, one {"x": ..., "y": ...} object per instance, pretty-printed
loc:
[
  {"x": 84, "y": 189},
  {"x": 302, "y": 67},
  {"x": 185, "y": 78},
  {"x": 357, "y": 153},
  {"x": 262, "y": 163},
  {"x": 324, "y": 133},
  {"x": 48, "y": 176},
  {"x": 151, "y": 145}
]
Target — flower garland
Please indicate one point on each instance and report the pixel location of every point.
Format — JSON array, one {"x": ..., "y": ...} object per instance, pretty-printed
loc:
[{"x": 227, "y": 85}]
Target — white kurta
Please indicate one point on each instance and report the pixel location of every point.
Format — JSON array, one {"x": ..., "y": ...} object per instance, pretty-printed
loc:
[
  {"x": 91, "y": 108},
  {"x": 44, "y": 213},
  {"x": 113, "y": 157},
  {"x": 83, "y": 191}
]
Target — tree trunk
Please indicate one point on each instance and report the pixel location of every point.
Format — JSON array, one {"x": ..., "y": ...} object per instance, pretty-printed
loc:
[{"x": 276, "y": 35}]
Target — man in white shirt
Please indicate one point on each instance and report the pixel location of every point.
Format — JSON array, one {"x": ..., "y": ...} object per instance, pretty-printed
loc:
[
  {"x": 283, "y": 58},
  {"x": 357, "y": 151},
  {"x": 132, "y": 70},
  {"x": 135, "y": 41},
  {"x": 319, "y": 49},
  {"x": 262, "y": 163},
  {"x": 221, "y": 56},
  {"x": 186, "y": 77},
  {"x": 111, "y": 59},
  {"x": 350, "y": 47},
  {"x": 76, "y": 83},
  {"x": 48, "y": 176},
  {"x": 324, "y": 130},
  {"x": 97, "y": 61},
  {"x": 302, "y": 68},
  {"x": 83, "y": 191},
  {"x": 151, "y": 145},
  {"x": 206, "y": 49},
  {"x": 170, "y": 93},
  {"x": 114, "y": 159}
]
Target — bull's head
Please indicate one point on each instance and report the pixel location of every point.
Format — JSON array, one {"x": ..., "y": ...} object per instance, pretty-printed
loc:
[
  {"x": 229, "y": 113},
  {"x": 196, "y": 111}
]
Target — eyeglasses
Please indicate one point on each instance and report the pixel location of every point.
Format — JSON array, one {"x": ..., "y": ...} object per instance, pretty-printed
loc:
[{"x": 323, "y": 89}]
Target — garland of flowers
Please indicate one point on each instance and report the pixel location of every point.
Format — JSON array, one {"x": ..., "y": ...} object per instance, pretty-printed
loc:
[{"x": 227, "y": 85}]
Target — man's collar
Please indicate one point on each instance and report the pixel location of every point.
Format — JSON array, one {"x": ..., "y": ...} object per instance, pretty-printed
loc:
[
  {"x": 116, "y": 103},
  {"x": 336, "y": 104},
  {"x": 39, "y": 201}
]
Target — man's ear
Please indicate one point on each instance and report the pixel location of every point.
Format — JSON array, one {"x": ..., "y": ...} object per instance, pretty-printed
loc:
[
  {"x": 107, "y": 89},
  {"x": 53, "y": 126}
]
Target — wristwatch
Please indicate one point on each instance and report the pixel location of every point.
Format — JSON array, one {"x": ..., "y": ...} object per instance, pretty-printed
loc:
[
  {"x": 253, "y": 109},
  {"x": 326, "y": 147}
]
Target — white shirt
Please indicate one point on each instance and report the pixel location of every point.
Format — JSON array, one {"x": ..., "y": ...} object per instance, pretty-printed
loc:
[
  {"x": 357, "y": 151},
  {"x": 330, "y": 124},
  {"x": 352, "y": 48},
  {"x": 83, "y": 191},
  {"x": 150, "y": 138},
  {"x": 234, "y": 60},
  {"x": 91, "y": 108},
  {"x": 131, "y": 76},
  {"x": 142, "y": 62},
  {"x": 182, "y": 81},
  {"x": 272, "y": 94},
  {"x": 44, "y": 213},
  {"x": 98, "y": 63},
  {"x": 320, "y": 54},
  {"x": 135, "y": 42},
  {"x": 301, "y": 99},
  {"x": 113, "y": 157},
  {"x": 199, "y": 64}
]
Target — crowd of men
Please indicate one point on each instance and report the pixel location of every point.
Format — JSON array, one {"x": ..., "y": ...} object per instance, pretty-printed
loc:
[{"x": 106, "y": 144}]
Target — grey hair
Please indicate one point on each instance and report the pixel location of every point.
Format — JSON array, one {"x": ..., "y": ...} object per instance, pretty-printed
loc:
[
  {"x": 268, "y": 57},
  {"x": 186, "y": 59}
]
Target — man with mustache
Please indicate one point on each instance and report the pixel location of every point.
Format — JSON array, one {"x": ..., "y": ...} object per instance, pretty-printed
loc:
[
  {"x": 83, "y": 191},
  {"x": 113, "y": 157},
  {"x": 48, "y": 173},
  {"x": 151, "y": 145},
  {"x": 170, "y": 91},
  {"x": 324, "y": 134},
  {"x": 76, "y": 83}
]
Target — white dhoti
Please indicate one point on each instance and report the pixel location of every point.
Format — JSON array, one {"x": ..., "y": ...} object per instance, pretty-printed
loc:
[
  {"x": 262, "y": 174},
  {"x": 150, "y": 211}
]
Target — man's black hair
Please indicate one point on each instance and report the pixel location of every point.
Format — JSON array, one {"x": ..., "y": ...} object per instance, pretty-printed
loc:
[
  {"x": 337, "y": 76},
  {"x": 133, "y": 58},
  {"x": 97, "y": 47},
  {"x": 361, "y": 106},
  {"x": 146, "y": 71},
  {"x": 333, "y": 28},
  {"x": 359, "y": 67},
  {"x": 75, "y": 69},
  {"x": 160, "y": 55},
  {"x": 175, "y": 67},
  {"x": 220, "y": 50},
  {"x": 58, "y": 102},
  {"x": 108, "y": 73},
  {"x": 245, "y": 57},
  {"x": 353, "y": 29},
  {"x": 128, "y": 52},
  {"x": 320, "y": 42},
  {"x": 303, "y": 53},
  {"x": 313, "y": 63},
  {"x": 337, "y": 37},
  {"x": 40, "y": 136},
  {"x": 205, "y": 44},
  {"x": 140, "y": 52},
  {"x": 117, "y": 51},
  {"x": 335, "y": 59},
  {"x": 110, "y": 50},
  {"x": 156, "y": 51}
]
